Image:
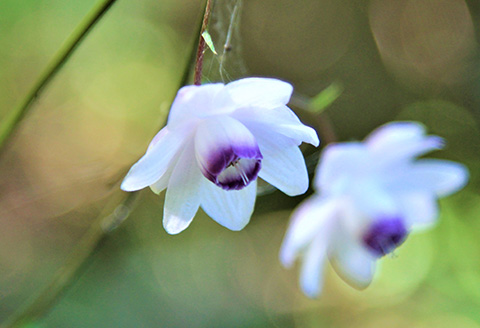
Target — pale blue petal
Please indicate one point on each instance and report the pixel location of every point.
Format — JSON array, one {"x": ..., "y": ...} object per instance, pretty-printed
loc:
[
  {"x": 438, "y": 176},
  {"x": 230, "y": 208},
  {"x": 311, "y": 274},
  {"x": 283, "y": 165},
  {"x": 259, "y": 92},
  {"x": 162, "y": 183},
  {"x": 314, "y": 217},
  {"x": 400, "y": 141},
  {"x": 339, "y": 166},
  {"x": 372, "y": 198},
  {"x": 352, "y": 262},
  {"x": 194, "y": 101},
  {"x": 280, "y": 119},
  {"x": 419, "y": 209},
  {"x": 183, "y": 192},
  {"x": 153, "y": 165}
]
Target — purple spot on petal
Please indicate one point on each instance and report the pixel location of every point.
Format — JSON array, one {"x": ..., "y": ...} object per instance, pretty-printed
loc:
[
  {"x": 385, "y": 235},
  {"x": 233, "y": 168}
]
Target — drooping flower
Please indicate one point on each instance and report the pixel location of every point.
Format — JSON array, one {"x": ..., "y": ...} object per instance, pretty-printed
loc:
[
  {"x": 217, "y": 141},
  {"x": 371, "y": 196}
]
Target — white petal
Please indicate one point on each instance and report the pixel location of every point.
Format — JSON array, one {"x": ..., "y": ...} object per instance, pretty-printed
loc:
[
  {"x": 280, "y": 119},
  {"x": 340, "y": 164},
  {"x": 401, "y": 141},
  {"x": 162, "y": 183},
  {"x": 311, "y": 275},
  {"x": 183, "y": 193},
  {"x": 372, "y": 198},
  {"x": 314, "y": 217},
  {"x": 352, "y": 262},
  {"x": 230, "y": 208},
  {"x": 283, "y": 165},
  {"x": 438, "y": 176},
  {"x": 395, "y": 133},
  {"x": 194, "y": 101},
  {"x": 151, "y": 167},
  {"x": 420, "y": 210},
  {"x": 259, "y": 92}
]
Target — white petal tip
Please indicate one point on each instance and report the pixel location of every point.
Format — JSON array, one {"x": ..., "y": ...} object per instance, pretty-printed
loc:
[
  {"x": 297, "y": 190},
  {"x": 460, "y": 178},
  {"x": 236, "y": 226},
  {"x": 286, "y": 257},
  {"x": 129, "y": 185},
  {"x": 359, "y": 280},
  {"x": 310, "y": 290},
  {"x": 173, "y": 225},
  {"x": 314, "y": 140},
  {"x": 173, "y": 229}
]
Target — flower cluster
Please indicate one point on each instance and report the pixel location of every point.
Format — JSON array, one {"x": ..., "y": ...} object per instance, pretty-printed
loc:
[
  {"x": 217, "y": 141},
  {"x": 371, "y": 196}
]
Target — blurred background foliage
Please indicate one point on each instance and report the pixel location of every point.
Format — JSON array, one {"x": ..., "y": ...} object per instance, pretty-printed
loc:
[{"x": 60, "y": 172}]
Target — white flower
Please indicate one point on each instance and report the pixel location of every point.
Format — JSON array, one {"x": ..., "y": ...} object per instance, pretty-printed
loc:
[
  {"x": 217, "y": 140},
  {"x": 371, "y": 196}
]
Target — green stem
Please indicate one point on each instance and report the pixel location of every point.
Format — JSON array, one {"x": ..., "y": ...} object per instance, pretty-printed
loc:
[
  {"x": 13, "y": 119},
  {"x": 38, "y": 304}
]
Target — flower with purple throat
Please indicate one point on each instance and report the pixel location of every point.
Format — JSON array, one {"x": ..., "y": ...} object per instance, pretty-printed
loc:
[
  {"x": 372, "y": 194},
  {"x": 217, "y": 141}
]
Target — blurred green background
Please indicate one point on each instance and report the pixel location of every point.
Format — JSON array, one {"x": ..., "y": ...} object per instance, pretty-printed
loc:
[{"x": 60, "y": 173}]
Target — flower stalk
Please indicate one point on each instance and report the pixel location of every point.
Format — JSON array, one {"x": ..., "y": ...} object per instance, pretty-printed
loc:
[{"x": 197, "y": 77}]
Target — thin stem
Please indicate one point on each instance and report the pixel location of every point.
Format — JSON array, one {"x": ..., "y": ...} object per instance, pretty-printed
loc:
[
  {"x": 13, "y": 119},
  {"x": 36, "y": 306},
  {"x": 197, "y": 78},
  {"x": 326, "y": 128}
]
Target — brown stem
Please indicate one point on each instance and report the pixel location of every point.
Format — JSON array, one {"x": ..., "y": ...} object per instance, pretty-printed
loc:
[
  {"x": 197, "y": 77},
  {"x": 326, "y": 128}
]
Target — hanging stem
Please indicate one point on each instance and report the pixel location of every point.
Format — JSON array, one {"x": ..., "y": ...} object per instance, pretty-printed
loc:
[
  {"x": 13, "y": 119},
  {"x": 36, "y": 306},
  {"x": 197, "y": 77}
]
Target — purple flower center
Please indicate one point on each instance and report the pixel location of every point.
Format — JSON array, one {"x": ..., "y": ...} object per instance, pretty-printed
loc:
[
  {"x": 383, "y": 236},
  {"x": 233, "y": 168},
  {"x": 238, "y": 173}
]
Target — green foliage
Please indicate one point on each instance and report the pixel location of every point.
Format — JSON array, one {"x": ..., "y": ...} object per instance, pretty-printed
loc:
[
  {"x": 208, "y": 40},
  {"x": 325, "y": 98}
]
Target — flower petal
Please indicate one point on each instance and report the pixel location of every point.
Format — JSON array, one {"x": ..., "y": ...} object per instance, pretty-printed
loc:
[
  {"x": 230, "y": 208},
  {"x": 227, "y": 152},
  {"x": 401, "y": 140},
  {"x": 283, "y": 165},
  {"x": 259, "y": 92},
  {"x": 311, "y": 275},
  {"x": 280, "y": 119},
  {"x": 339, "y": 164},
  {"x": 352, "y": 262},
  {"x": 372, "y": 198},
  {"x": 162, "y": 183},
  {"x": 183, "y": 192},
  {"x": 438, "y": 176},
  {"x": 153, "y": 165},
  {"x": 194, "y": 101},
  {"x": 419, "y": 209},
  {"x": 314, "y": 217}
]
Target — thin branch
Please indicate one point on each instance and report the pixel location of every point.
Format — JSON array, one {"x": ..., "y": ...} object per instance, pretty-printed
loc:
[
  {"x": 13, "y": 119},
  {"x": 36, "y": 306},
  {"x": 197, "y": 77}
]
